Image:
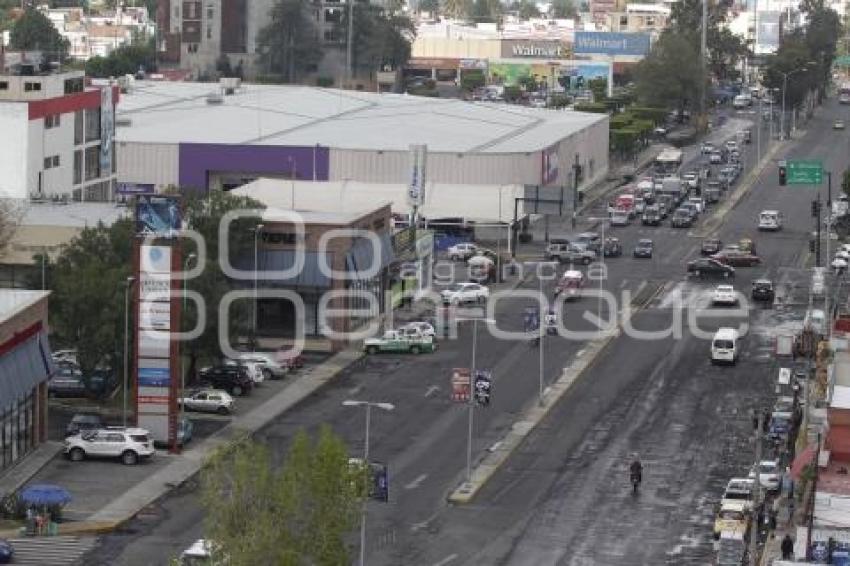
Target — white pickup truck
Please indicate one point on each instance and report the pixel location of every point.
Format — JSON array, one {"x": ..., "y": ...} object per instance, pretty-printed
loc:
[{"x": 770, "y": 220}]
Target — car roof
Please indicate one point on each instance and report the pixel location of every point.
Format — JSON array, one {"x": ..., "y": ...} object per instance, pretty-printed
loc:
[
  {"x": 572, "y": 273},
  {"x": 734, "y": 505},
  {"x": 725, "y": 288},
  {"x": 644, "y": 241},
  {"x": 725, "y": 333}
]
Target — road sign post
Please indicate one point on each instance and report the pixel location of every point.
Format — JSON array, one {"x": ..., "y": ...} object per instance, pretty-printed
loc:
[{"x": 804, "y": 172}]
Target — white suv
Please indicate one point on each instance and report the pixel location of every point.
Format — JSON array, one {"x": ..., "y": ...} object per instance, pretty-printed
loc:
[
  {"x": 462, "y": 251},
  {"x": 129, "y": 444},
  {"x": 270, "y": 368}
]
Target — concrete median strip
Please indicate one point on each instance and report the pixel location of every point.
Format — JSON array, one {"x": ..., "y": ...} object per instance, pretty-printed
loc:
[{"x": 502, "y": 450}]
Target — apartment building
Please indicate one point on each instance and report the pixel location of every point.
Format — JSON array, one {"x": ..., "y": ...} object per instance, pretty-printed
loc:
[
  {"x": 640, "y": 18},
  {"x": 58, "y": 135}
]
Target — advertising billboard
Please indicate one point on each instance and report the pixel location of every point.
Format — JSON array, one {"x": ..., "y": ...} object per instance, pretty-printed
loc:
[
  {"x": 107, "y": 129},
  {"x": 418, "y": 161},
  {"x": 550, "y": 166},
  {"x": 767, "y": 33},
  {"x": 610, "y": 43},
  {"x": 158, "y": 215},
  {"x": 535, "y": 49},
  {"x": 130, "y": 189}
]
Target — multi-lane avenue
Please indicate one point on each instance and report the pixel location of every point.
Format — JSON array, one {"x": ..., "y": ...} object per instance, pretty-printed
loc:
[{"x": 564, "y": 496}]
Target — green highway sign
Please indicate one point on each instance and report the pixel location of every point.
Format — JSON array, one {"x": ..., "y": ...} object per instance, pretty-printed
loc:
[{"x": 801, "y": 172}]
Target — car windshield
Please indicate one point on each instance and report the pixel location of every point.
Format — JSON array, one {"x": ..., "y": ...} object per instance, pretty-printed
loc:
[
  {"x": 767, "y": 468},
  {"x": 737, "y": 495},
  {"x": 731, "y": 515},
  {"x": 725, "y": 344}
]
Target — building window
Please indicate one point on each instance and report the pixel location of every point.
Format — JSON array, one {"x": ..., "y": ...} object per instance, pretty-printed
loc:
[
  {"x": 209, "y": 13},
  {"x": 92, "y": 124},
  {"x": 4, "y": 85},
  {"x": 279, "y": 237},
  {"x": 209, "y": 32},
  {"x": 624, "y": 21},
  {"x": 52, "y": 121},
  {"x": 32, "y": 87},
  {"x": 78, "y": 167},
  {"x": 78, "y": 127},
  {"x": 74, "y": 85},
  {"x": 650, "y": 22},
  {"x": 51, "y": 161},
  {"x": 92, "y": 160}
]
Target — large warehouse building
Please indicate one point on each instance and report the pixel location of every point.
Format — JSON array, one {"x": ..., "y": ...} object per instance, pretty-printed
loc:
[{"x": 196, "y": 136}]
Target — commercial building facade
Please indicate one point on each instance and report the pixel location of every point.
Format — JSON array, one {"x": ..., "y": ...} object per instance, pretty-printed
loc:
[
  {"x": 25, "y": 367},
  {"x": 170, "y": 135},
  {"x": 58, "y": 136}
]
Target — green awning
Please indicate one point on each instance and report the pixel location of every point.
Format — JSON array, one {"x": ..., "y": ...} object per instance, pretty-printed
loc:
[{"x": 843, "y": 61}]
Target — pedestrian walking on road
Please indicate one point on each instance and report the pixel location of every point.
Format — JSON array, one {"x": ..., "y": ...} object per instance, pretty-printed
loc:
[{"x": 787, "y": 548}]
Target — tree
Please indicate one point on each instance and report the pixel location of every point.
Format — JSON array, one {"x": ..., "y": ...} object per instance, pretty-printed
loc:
[
  {"x": 124, "y": 60},
  {"x": 430, "y": 6},
  {"x": 563, "y": 9},
  {"x": 486, "y": 11},
  {"x": 297, "y": 514},
  {"x": 289, "y": 45},
  {"x": 527, "y": 10},
  {"x": 381, "y": 37},
  {"x": 845, "y": 182},
  {"x": 34, "y": 32},
  {"x": 668, "y": 77},
  {"x": 791, "y": 60},
  {"x": 92, "y": 270},
  {"x": 204, "y": 215},
  {"x": 457, "y": 9},
  {"x": 10, "y": 215},
  {"x": 599, "y": 87}
]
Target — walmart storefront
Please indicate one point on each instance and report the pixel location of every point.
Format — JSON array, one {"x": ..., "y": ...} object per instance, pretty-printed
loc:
[{"x": 25, "y": 367}]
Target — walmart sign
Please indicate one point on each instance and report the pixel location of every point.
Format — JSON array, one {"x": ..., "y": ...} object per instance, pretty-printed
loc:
[{"x": 607, "y": 43}]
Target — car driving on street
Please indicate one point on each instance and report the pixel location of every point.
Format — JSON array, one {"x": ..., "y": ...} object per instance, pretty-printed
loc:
[
  {"x": 707, "y": 267},
  {"x": 643, "y": 249},
  {"x": 737, "y": 258},
  {"x": 463, "y": 293},
  {"x": 763, "y": 290},
  {"x": 394, "y": 342},
  {"x": 724, "y": 295},
  {"x": 710, "y": 246},
  {"x": 462, "y": 251}
]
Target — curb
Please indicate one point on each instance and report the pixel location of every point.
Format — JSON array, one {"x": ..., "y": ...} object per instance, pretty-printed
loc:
[{"x": 500, "y": 452}]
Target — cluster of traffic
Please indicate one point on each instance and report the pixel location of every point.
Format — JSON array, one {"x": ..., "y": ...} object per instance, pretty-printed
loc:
[{"x": 742, "y": 511}]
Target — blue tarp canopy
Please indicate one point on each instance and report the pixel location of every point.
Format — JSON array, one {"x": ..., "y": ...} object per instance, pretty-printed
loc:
[{"x": 44, "y": 494}]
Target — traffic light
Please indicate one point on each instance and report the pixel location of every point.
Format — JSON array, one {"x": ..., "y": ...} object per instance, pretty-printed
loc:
[
  {"x": 782, "y": 176},
  {"x": 812, "y": 246},
  {"x": 380, "y": 482},
  {"x": 482, "y": 388},
  {"x": 815, "y": 209}
]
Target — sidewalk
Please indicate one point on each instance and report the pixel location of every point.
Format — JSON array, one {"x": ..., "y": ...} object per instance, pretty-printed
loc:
[{"x": 14, "y": 479}]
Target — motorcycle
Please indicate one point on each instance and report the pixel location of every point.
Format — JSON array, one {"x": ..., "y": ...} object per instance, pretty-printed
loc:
[{"x": 635, "y": 478}]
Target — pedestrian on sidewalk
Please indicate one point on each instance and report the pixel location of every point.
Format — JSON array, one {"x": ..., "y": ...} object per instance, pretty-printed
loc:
[{"x": 787, "y": 547}]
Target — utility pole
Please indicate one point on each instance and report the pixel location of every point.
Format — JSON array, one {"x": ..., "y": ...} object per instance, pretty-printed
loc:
[
  {"x": 349, "y": 59},
  {"x": 702, "y": 59},
  {"x": 817, "y": 237},
  {"x": 576, "y": 172},
  {"x": 754, "y": 532}
]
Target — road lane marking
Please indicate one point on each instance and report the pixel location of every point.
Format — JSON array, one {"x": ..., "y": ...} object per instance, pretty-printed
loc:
[
  {"x": 355, "y": 390},
  {"x": 415, "y": 483},
  {"x": 580, "y": 353},
  {"x": 431, "y": 390},
  {"x": 446, "y": 560}
]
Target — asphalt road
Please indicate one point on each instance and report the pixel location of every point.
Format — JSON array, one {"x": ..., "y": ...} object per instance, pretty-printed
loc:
[{"x": 564, "y": 496}]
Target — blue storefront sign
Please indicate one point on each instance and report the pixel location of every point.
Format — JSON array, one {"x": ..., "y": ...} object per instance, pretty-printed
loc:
[
  {"x": 154, "y": 377},
  {"x": 135, "y": 189},
  {"x": 609, "y": 43}
]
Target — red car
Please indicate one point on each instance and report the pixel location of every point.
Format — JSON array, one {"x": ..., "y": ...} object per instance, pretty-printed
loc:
[
  {"x": 291, "y": 360},
  {"x": 737, "y": 258}
]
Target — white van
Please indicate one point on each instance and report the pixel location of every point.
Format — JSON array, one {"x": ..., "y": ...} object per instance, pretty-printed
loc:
[
  {"x": 725, "y": 346},
  {"x": 770, "y": 220}
]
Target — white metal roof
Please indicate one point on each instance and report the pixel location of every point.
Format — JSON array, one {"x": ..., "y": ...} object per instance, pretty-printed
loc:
[
  {"x": 14, "y": 301},
  {"x": 178, "y": 112},
  {"x": 474, "y": 202}
]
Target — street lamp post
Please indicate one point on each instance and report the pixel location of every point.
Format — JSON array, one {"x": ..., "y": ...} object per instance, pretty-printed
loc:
[
  {"x": 128, "y": 284},
  {"x": 189, "y": 258},
  {"x": 471, "y": 403},
  {"x": 603, "y": 222},
  {"x": 368, "y": 405},
  {"x": 293, "y": 175},
  {"x": 257, "y": 229},
  {"x": 784, "y": 88}
]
